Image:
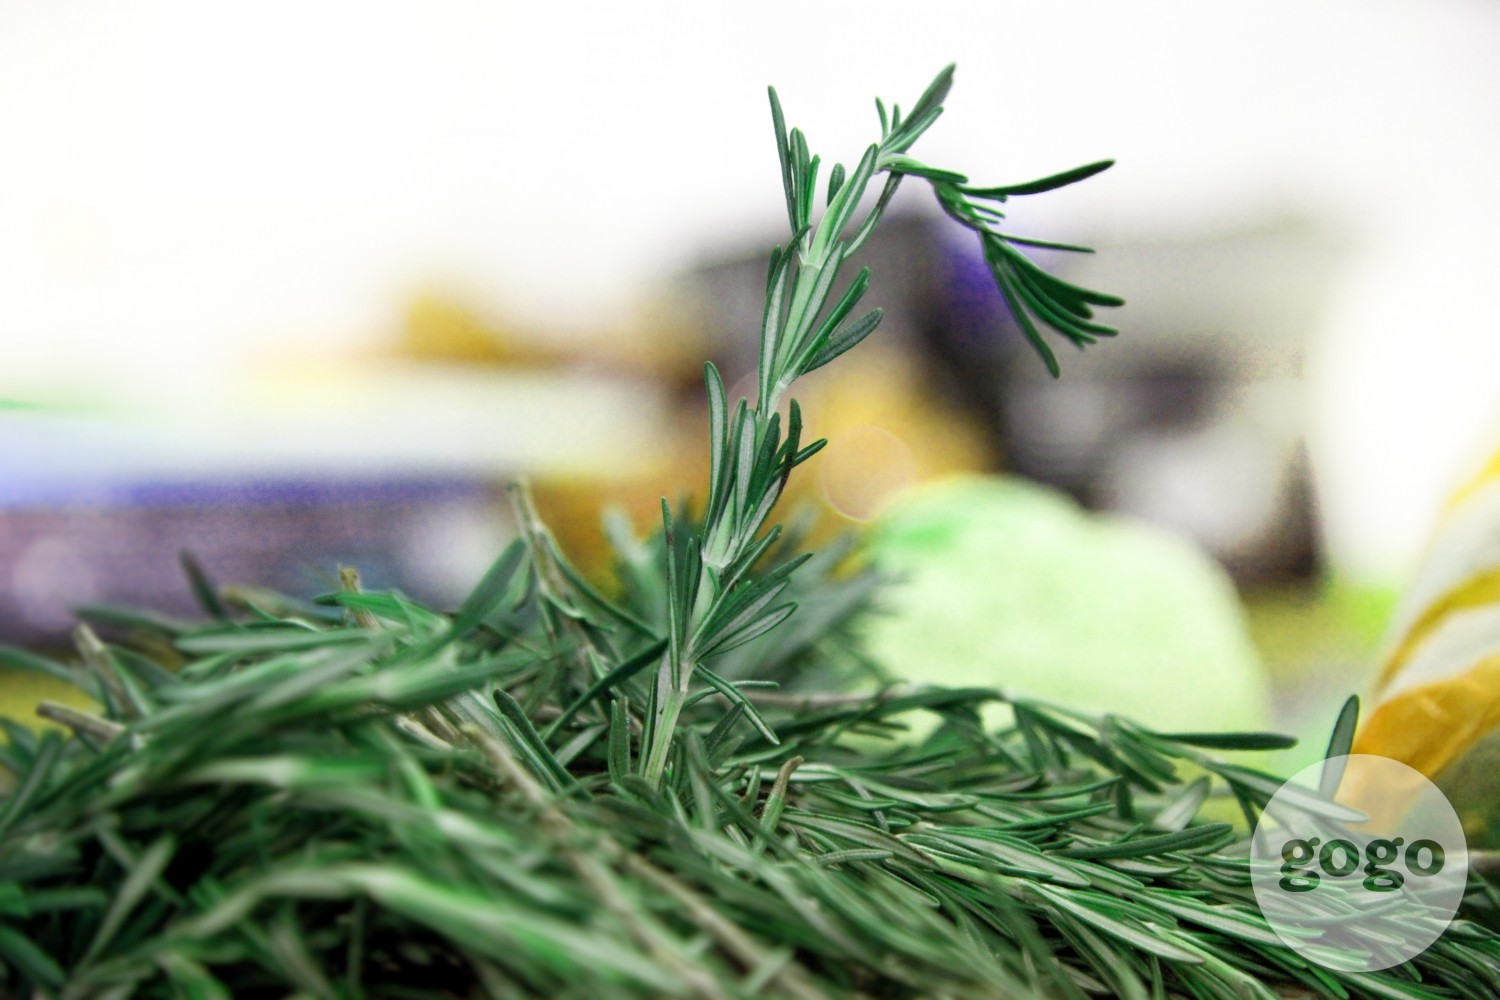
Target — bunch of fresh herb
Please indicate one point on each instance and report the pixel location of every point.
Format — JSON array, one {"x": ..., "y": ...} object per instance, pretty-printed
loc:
[{"x": 551, "y": 792}]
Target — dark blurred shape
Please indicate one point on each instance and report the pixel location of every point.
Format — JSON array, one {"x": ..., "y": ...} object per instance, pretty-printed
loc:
[
  {"x": 121, "y": 544},
  {"x": 1192, "y": 420}
]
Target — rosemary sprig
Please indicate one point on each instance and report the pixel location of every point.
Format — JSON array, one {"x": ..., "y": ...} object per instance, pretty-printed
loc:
[
  {"x": 276, "y": 819},
  {"x": 358, "y": 796},
  {"x": 713, "y": 607}
]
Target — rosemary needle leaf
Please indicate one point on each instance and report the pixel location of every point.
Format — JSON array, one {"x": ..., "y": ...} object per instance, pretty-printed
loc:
[
  {"x": 49, "y": 751},
  {"x": 1232, "y": 741},
  {"x": 1213, "y": 835},
  {"x": 846, "y": 339},
  {"x": 150, "y": 622},
  {"x": 1151, "y": 941},
  {"x": 1043, "y": 244},
  {"x": 738, "y": 699},
  {"x": 203, "y": 588},
  {"x": 936, "y": 93},
  {"x": 245, "y": 641},
  {"x": 1338, "y": 745},
  {"x": 488, "y": 594},
  {"x": 1225, "y": 919},
  {"x": 783, "y": 153},
  {"x": 25, "y": 957},
  {"x": 732, "y": 637},
  {"x": 530, "y": 742},
  {"x": 1051, "y": 183},
  {"x": 19, "y": 659},
  {"x": 900, "y": 164},
  {"x": 613, "y": 679},
  {"x": 1179, "y": 812}
]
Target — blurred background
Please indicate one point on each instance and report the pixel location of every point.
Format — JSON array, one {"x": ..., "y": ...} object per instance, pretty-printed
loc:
[{"x": 292, "y": 285}]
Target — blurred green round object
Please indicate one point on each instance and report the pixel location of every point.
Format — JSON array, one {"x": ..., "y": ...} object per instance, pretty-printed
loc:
[{"x": 1009, "y": 584}]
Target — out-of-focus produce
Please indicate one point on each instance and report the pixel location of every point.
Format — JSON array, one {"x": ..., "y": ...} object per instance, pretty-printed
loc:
[
  {"x": 1437, "y": 702},
  {"x": 1007, "y": 583}
]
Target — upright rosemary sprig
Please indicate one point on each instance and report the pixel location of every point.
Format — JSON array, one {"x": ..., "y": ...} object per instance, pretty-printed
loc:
[{"x": 713, "y": 606}]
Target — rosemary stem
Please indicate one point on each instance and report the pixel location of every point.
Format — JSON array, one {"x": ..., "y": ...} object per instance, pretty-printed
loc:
[{"x": 664, "y": 726}]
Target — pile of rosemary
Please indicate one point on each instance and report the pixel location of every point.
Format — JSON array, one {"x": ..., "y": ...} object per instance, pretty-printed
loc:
[{"x": 659, "y": 790}]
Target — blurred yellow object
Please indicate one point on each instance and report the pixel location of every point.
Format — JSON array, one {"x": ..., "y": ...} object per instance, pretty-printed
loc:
[
  {"x": 21, "y": 692},
  {"x": 441, "y": 328},
  {"x": 1437, "y": 702},
  {"x": 650, "y": 340}
]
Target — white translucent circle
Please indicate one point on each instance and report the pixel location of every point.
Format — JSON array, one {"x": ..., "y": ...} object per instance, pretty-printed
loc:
[{"x": 1359, "y": 863}]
